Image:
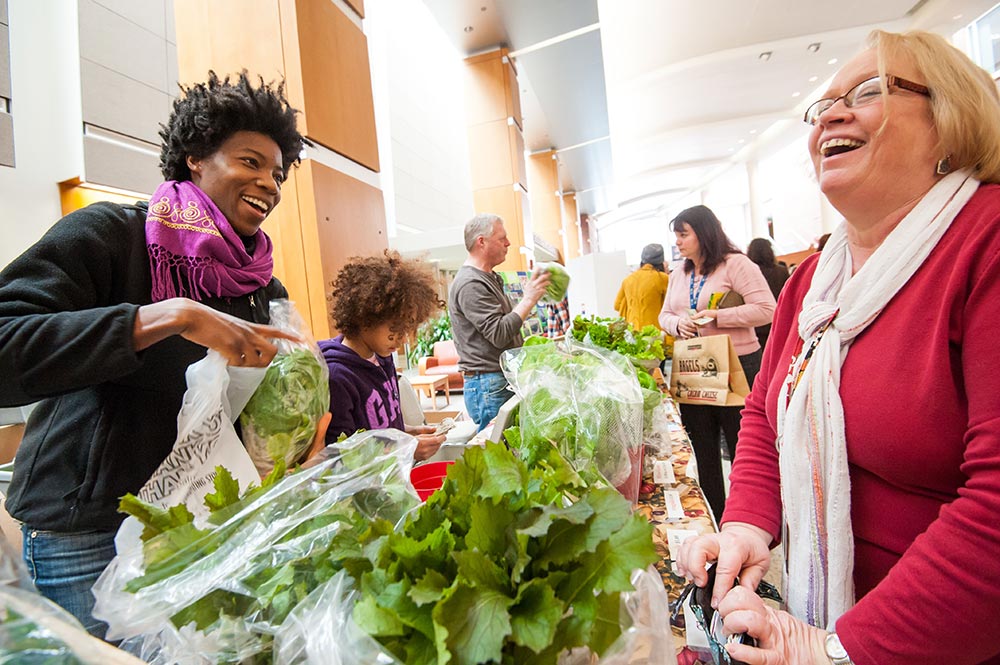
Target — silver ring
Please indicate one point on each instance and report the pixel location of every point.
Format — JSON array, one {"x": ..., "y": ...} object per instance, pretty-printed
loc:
[{"x": 243, "y": 356}]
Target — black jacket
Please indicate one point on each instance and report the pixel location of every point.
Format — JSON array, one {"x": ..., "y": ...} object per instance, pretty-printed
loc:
[{"x": 108, "y": 414}]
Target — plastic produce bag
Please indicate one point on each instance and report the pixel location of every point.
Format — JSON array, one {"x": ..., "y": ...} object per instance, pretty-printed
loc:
[
  {"x": 219, "y": 592},
  {"x": 584, "y": 400},
  {"x": 279, "y": 421},
  {"x": 321, "y": 629},
  {"x": 35, "y": 630},
  {"x": 558, "y": 281}
]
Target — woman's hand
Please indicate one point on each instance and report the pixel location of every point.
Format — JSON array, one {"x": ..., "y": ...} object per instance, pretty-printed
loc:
[
  {"x": 707, "y": 314},
  {"x": 239, "y": 342},
  {"x": 781, "y": 638},
  {"x": 740, "y": 550},
  {"x": 427, "y": 445},
  {"x": 686, "y": 329}
]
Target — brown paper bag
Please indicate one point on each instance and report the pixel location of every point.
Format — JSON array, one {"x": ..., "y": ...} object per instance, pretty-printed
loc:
[{"x": 706, "y": 370}]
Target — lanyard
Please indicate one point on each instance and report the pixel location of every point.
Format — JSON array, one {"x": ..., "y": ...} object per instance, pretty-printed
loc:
[{"x": 693, "y": 296}]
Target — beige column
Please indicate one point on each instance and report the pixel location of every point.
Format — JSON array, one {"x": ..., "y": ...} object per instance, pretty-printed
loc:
[{"x": 496, "y": 148}]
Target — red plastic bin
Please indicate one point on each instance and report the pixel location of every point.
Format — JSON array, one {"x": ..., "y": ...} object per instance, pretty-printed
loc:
[{"x": 428, "y": 478}]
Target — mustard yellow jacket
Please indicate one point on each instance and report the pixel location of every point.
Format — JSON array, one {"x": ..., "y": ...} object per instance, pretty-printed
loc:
[{"x": 640, "y": 299}]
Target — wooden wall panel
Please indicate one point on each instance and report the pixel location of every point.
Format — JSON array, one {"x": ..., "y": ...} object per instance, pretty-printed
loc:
[
  {"x": 506, "y": 202},
  {"x": 546, "y": 206},
  {"x": 513, "y": 97},
  {"x": 350, "y": 221},
  {"x": 358, "y": 6},
  {"x": 571, "y": 226},
  {"x": 515, "y": 139},
  {"x": 491, "y": 155},
  {"x": 485, "y": 89},
  {"x": 210, "y": 39},
  {"x": 336, "y": 78}
]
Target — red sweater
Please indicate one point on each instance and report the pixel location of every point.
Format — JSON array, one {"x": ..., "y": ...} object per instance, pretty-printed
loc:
[{"x": 921, "y": 395}]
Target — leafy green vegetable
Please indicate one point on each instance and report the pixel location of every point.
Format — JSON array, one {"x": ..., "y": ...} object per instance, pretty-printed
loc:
[
  {"x": 24, "y": 642},
  {"x": 508, "y": 563},
  {"x": 618, "y": 335},
  {"x": 270, "y": 547},
  {"x": 558, "y": 281},
  {"x": 279, "y": 421}
]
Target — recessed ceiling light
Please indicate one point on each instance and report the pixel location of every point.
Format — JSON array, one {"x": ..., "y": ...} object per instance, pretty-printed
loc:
[
  {"x": 956, "y": 17},
  {"x": 753, "y": 131},
  {"x": 812, "y": 79},
  {"x": 742, "y": 141},
  {"x": 796, "y": 94},
  {"x": 469, "y": 28},
  {"x": 765, "y": 56},
  {"x": 831, "y": 61},
  {"x": 732, "y": 150},
  {"x": 812, "y": 48}
]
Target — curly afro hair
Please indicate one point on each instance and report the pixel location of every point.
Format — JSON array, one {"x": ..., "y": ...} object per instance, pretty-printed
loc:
[
  {"x": 207, "y": 114},
  {"x": 372, "y": 290}
]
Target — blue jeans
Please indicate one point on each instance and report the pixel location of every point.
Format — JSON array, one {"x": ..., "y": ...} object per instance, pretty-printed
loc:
[
  {"x": 484, "y": 395},
  {"x": 64, "y": 567}
]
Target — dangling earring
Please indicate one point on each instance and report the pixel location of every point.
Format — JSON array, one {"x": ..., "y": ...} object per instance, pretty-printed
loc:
[{"x": 943, "y": 166}]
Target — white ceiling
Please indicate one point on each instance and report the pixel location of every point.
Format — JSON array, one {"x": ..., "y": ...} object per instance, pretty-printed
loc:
[{"x": 666, "y": 94}]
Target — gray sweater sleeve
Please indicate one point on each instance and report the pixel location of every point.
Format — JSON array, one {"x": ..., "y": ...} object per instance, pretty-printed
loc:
[{"x": 480, "y": 306}]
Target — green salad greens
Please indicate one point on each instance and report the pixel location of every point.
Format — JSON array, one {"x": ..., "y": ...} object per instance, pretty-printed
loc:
[
  {"x": 279, "y": 422},
  {"x": 507, "y": 563},
  {"x": 266, "y": 548},
  {"x": 24, "y": 642},
  {"x": 558, "y": 281},
  {"x": 618, "y": 335}
]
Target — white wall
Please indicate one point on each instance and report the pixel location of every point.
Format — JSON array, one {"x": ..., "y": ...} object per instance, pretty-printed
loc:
[
  {"x": 594, "y": 282},
  {"x": 45, "y": 105},
  {"x": 418, "y": 81}
]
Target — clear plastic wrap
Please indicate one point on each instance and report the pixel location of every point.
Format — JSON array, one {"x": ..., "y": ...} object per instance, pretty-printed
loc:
[
  {"x": 321, "y": 629},
  {"x": 279, "y": 421},
  {"x": 220, "y": 593},
  {"x": 584, "y": 400},
  {"x": 36, "y": 630}
]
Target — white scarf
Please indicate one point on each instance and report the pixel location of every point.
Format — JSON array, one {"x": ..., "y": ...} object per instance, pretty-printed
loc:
[{"x": 815, "y": 483}]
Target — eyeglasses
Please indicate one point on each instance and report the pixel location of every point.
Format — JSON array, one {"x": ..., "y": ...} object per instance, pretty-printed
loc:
[
  {"x": 864, "y": 93},
  {"x": 710, "y": 621}
]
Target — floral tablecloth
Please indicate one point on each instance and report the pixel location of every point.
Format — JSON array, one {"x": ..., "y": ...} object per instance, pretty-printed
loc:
[{"x": 670, "y": 442}]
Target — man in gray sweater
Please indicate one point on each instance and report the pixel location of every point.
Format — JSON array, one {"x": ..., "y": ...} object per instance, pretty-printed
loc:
[{"x": 483, "y": 319}]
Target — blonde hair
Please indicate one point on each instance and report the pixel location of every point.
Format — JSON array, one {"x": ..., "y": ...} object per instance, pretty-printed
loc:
[{"x": 965, "y": 105}]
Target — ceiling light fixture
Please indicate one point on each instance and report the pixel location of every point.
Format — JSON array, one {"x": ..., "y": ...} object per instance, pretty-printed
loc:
[
  {"x": 765, "y": 56},
  {"x": 813, "y": 47},
  {"x": 742, "y": 141},
  {"x": 469, "y": 28},
  {"x": 753, "y": 131},
  {"x": 796, "y": 94},
  {"x": 831, "y": 61},
  {"x": 812, "y": 79},
  {"x": 956, "y": 17}
]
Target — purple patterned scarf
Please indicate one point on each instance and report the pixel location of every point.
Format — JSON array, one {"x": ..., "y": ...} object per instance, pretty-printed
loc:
[{"x": 195, "y": 253}]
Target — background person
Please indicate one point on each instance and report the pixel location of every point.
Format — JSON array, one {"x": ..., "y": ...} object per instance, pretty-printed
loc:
[
  {"x": 101, "y": 317},
  {"x": 761, "y": 252},
  {"x": 378, "y": 302},
  {"x": 713, "y": 264},
  {"x": 484, "y": 321},
  {"x": 641, "y": 295},
  {"x": 892, "y": 544}
]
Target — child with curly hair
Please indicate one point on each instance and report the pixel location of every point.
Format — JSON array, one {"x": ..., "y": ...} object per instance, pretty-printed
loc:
[{"x": 378, "y": 302}]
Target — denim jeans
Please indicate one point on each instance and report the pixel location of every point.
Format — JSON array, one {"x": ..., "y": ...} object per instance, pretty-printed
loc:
[
  {"x": 484, "y": 395},
  {"x": 64, "y": 567}
]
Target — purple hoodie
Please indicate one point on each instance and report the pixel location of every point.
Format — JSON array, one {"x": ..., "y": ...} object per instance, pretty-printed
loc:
[{"x": 362, "y": 395}]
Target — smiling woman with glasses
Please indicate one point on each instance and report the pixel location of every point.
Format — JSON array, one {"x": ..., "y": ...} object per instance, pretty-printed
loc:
[{"x": 869, "y": 447}]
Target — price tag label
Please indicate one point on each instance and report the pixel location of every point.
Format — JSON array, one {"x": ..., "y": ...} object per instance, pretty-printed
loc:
[
  {"x": 672, "y": 499},
  {"x": 663, "y": 472}
]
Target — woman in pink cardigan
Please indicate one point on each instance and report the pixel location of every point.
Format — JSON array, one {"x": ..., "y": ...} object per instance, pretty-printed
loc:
[{"x": 713, "y": 264}]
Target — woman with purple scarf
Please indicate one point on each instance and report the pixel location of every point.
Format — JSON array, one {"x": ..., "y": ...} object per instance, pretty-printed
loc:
[{"x": 101, "y": 317}]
